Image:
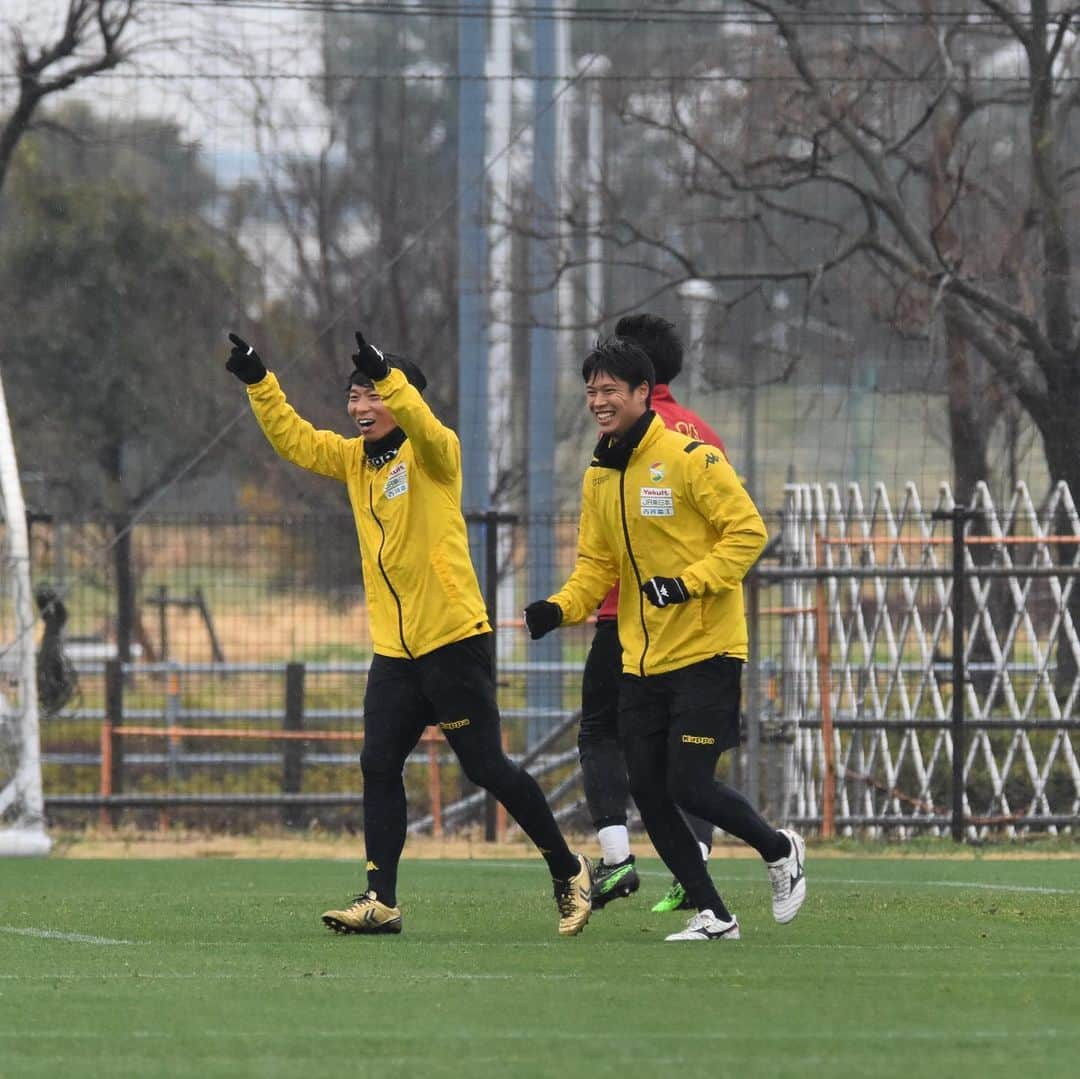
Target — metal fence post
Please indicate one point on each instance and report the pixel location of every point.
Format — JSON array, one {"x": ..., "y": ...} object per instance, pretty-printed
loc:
[
  {"x": 960, "y": 518},
  {"x": 792, "y": 591},
  {"x": 753, "y": 688},
  {"x": 959, "y": 515},
  {"x": 292, "y": 756},
  {"x": 824, "y": 658},
  {"x": 491, "y": 585}
]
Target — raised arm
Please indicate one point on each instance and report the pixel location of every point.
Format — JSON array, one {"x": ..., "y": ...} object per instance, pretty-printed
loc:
[
  {"x": 437, "y": 448},
  {"x": 293, "y": 437}
]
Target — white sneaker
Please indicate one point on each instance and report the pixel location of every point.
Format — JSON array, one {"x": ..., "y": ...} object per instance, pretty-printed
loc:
[
  {"x": 706, "y": 926},
  {"x": 788, "y": 879}
]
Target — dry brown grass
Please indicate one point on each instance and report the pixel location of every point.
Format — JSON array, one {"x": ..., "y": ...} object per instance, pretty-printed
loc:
[
  {"x": 462, "y": 846},
  {"x": 267, "y": 630}
]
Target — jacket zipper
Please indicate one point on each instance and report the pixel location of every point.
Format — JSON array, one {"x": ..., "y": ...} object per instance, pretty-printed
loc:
[
  {"x": 637, "y": 572},
  {"x": 386, "y": 578}
]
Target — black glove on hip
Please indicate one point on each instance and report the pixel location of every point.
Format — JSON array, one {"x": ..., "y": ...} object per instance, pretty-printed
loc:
[
  {"x": 244, "y": 362},
  {"x": 368, "y": 360},
  {"x": 663, "y": 591},
  {"x": 542, "y": 617}
]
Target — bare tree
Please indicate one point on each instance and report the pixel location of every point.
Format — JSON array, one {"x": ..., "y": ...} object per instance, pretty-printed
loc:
[
  {"x": 858, "y": 146},
  {"x": 92, "y": 40},
  {"x": 922, "y": 158}
]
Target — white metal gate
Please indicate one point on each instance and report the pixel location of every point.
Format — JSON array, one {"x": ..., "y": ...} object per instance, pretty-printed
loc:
[{"x": 866, "y": 671}]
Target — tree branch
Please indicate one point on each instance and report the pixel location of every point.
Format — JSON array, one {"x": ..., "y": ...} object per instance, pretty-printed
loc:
[{"x": 111, "y": 18}]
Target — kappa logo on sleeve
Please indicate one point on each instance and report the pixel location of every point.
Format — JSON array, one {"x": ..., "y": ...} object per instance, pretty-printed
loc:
[{"x": 397, "y": 483}]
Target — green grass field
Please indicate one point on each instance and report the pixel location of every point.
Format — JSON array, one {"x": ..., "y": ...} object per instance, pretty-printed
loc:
[{"x": 900, "y": 967}]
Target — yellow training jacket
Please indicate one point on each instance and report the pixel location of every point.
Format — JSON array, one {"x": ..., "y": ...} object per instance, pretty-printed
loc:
[
  {"x": 676, "y": 510},
  {"x": 422, "y": 591}
]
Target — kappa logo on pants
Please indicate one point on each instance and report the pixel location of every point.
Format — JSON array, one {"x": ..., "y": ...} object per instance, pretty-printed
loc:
[{"x": 698, "y": 740}]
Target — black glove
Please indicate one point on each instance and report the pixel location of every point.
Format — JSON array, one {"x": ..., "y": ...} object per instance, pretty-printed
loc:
[
  {"x": 663, "y": 591},
  {"x": 542, "y": 617},
  {"x": 368, "y": 360},
  {"x": 244, "y": 362}
]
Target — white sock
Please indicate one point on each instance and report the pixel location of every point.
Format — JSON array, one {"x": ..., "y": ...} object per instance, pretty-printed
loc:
[
  {"x": 706, "y": 850},
  {"x": 614, "y": 843}
]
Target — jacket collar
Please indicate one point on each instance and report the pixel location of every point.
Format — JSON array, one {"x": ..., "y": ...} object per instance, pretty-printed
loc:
[
  {"x": 616, "y": 454},
  {"x": 385, "y": 449}
]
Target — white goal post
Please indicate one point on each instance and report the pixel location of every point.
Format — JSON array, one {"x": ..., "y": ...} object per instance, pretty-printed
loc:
[{"x": 22, "y": 807}]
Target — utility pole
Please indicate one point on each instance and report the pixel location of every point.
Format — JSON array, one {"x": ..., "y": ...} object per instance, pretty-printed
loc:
[
  {"x": 472, "y": 259},
  {"x": 544, "y": 686}
]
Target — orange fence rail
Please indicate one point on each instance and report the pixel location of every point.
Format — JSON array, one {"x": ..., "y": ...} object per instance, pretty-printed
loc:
[{"x": 431, "y": 738}]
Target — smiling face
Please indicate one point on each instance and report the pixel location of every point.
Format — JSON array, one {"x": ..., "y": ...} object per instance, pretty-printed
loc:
[
  {"x": 372, "y": 418},
  {"x": 616, "y": 405}
]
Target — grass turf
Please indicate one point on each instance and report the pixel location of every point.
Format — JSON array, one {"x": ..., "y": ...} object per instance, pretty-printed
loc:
[{"x": 904, "y": 967}]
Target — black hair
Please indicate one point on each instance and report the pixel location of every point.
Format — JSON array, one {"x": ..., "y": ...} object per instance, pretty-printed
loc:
[
  {"x": 659, "y": 339},
  {"x": 620, "y": 358},
  {"x": 412, "y": 373}
]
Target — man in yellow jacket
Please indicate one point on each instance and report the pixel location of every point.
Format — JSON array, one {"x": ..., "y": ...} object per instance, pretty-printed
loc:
[
  {"x": 666, "y": 516},
  {"x": 431, "y": 640}
]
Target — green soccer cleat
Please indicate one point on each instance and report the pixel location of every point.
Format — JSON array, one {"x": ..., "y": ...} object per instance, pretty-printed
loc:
[
  {"x": 614, "y": 881},
  {"x": 364, "y": 915},
  {"x": 675, "y": 899}
]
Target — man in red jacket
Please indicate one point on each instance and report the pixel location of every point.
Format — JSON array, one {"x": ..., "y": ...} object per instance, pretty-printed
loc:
[{"x": 607, "y": 787}]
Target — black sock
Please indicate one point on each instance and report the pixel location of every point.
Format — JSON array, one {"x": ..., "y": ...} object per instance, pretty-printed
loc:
[
  {"x": 383, "y": 886},
  {"x": 776, "y": 853},
  {"x": 559, "y": 867},
  {"x": 702, "y": 894},
  {"x": 720, "y": 910}
]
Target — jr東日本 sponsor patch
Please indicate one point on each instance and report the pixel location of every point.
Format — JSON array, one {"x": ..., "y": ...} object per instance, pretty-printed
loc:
[
  {"x": 657, "y": 502},
  {"x": 397, "y": 483}
]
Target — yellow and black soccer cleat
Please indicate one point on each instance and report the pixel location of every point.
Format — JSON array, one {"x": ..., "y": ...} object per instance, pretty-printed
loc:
[
  {"x": 574, "y": 899},
  {"x": 364, "y": 915}
]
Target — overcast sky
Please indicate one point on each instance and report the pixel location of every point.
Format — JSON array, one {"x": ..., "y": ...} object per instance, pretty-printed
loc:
[{"x": 194, "y": 66}]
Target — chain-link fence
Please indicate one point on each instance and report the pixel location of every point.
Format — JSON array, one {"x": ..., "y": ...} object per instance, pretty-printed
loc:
[{"x": 230, "y": 693}]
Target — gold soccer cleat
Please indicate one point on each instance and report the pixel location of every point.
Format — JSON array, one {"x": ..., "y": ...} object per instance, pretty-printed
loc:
[
  {"x": 365, "y": 915},
  {"x": 574, "y": 899}
]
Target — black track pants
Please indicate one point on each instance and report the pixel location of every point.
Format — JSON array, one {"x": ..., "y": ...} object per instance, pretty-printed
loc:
[
  {"x": 453, "y": 687},
  {"x": 603, "y": 764},
  {"x": 674, "y": 728}
]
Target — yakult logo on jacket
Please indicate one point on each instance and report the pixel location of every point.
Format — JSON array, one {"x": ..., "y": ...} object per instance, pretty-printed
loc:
[
  {"x": 397, "y": 483},
  {"x": 657, "y": 502}
]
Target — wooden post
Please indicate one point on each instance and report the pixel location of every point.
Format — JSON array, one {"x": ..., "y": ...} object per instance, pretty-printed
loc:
[
  {"x": 163, "y": 622},
  {"x": 174, "y": 745},
  {"x": 824, "y": 658},
  {"x": 105, "y": 781},
  {"x": 292, "y": 756},
  {"x": 114, "y": 717},
  {"x": 199, "y": 600}
]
